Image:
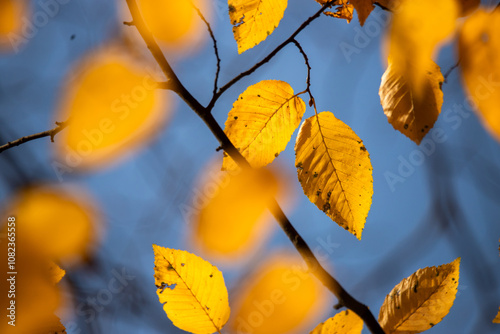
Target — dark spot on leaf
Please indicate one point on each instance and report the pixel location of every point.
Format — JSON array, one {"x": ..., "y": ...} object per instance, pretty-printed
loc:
[
  {"x": 235, "y": 117},
  {"x": 326, "y": 207},
  {"x": 431, "y": 324},
  {"x": 299, "y": 166},
  {"x": 183, "y": 264},
  {"x": 211, "y": 275},
  {"x": 362, "y": 148},
  {"x": 276, "y": 155},
  {"x": 170, "y": 267},
  {"x": 405, "y": 126},
  {"x": 315, "y": 174},
  {"x": 232, "y": 9}
]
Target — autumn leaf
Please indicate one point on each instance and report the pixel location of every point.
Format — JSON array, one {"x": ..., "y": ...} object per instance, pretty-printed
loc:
[
  {"x": 113, "y": 107},
  {"x": 262, "y": 122},
  {"x": 363, "y": 8},
  {"x": 175, "y": 23},
  {"x": 420, "y": 301},
  {"x": 418, "y": 28},
  {"x": 254, "y": 20},
  {"x": 59, "y": 222},
  {"x": 191, "y": 290},
  {"x": 478, "y": 47},
  {"x": 287, "y": 298},
  {"x": 234, "y": 218},
  {"x": 497, "y": 318},
  {"x": 344, "y": 11},
  {"x": 408, "y": 113},
  {"x": 11, "y": 14},
  {"x": 345, "y": 322},
  {"x": 56, "y": 272},
  {"x": 335, "y": 171}
]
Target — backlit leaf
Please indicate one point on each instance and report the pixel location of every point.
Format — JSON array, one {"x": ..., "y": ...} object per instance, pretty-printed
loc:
[
  {"x": 254, "y": 20},
  {"x": 113, "y": 108},
  {"x": 59, "y": 223},
  {"x": 278, "y": 297},
  {"x": 345, "y": 322},
  {"x": 479, "y": 47},
  {"x": 262, "y": 122},
  {"x": 175, "y": 23},
  {"x": 497, "y": 318},
  {"x": 233, "y": 218},
  {"x": 363, "y": 8},
  {"x": 335, "y": 171},
  {"x": 191, "y": 290},
  {"x": 420, "y": 301},
  {"x": 411, "y": 114},
  {"x": 417, "y": 29},
  {"x": 344, "y": 11}
]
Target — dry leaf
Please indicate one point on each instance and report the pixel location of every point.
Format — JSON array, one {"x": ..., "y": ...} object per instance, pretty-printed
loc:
[
  {"x": 345, "y": 322},
  {"x": 262, "y": 122},
  {"x": 345, "y": 11},
  {"x": 254, "y": 20},
  {"x": 363, "y": 8},
  {"x": 192, "y": 291},
  {"x": 408, "y": 113},
  {"x": 335, "y": 171},
  {"x": 479, "y": 47},
  {"x": 420, "y": 301}
]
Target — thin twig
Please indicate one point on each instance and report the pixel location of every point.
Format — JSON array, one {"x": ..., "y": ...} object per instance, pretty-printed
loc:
[
  {"x": 216, "y": 50},
  {"x": 331, "y": 283},
  {"x": 49, "y": 133},
  {"x": 269, "y": 56},
  {"x": 308, "y": 80},
  {"x": 445, "y": 76}
]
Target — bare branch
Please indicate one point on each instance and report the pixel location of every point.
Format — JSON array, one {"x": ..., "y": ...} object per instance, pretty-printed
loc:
[
  {"x": 216, "y": 50},
  {"x": 445, "y": 76},
  {"x": 331, "y": 283},
  {"x": 48, "y": 133}
]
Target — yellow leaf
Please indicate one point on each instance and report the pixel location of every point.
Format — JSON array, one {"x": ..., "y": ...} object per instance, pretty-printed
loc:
[
  {"x": 479, "y": 46},
  {"x": 418, "y": 28},
  {"x": 113, "y": 107},
  {"x": 409, "y": 113},
  {"x": 175, "y": 23},
  {"x": 254, "y": 20},
  {"x": 56, "y": 222},
  {"x": 345, "y": 11},
  {"x": 191, "y": 290},
  {"x": 335, "y": 171},
  {"x": 56, "y": 272},
  {"x": 345, "y": 322},
  {"x": 363, "y": 8},
  {"x": 262, "y": 122},
  {"x": 234, "y": 219},
  {"x": 420, "y": 301},
  {"x": 278, "y": 297},
  {"x": 11, "y": 13},
  {"x": 497, "y": 318}
]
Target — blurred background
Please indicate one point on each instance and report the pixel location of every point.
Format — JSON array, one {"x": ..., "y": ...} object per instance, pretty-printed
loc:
[{"x": 429, "y": 207}]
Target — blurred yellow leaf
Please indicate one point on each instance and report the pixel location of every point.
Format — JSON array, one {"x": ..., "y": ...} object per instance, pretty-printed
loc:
[
  {"x": 278, "y": 297},
  {"x": 254, "y": 20},
  {"x": 234, "y": 218},
  {"x": 175, "y": 23},
  {"x": 113, "y": 107},
  {"x": 262, "y": 122},
  {"x": 11, "y": 14},
  {"x": 497, "y": 318},
  {"x": 57, "y": 223},
  {"x": 191, "y": 290},
  {"x": 420, "y": 301},
  {"x": 29, "y": 296},
  {"x": 335, "y": 171},
  {"x": 345, "y": 322},
  {"x": 409, "y": 113},
  {"x": 363, "y": 8},
  {"x": 417, "y": 29},
  {"x": 479, "y": 47}
]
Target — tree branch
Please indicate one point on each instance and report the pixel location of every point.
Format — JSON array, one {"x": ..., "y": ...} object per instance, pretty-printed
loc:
[
  {"x": 344, "y": 298},
  {"x": 216, "y": 50},
  {"x": 48, "y": 133},
  {"x": 269, "y": 56}
]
